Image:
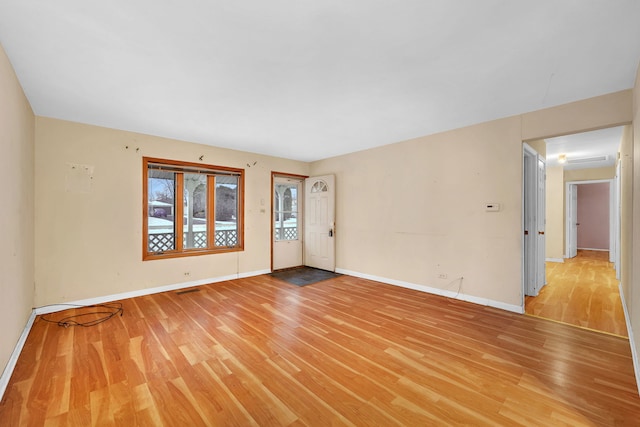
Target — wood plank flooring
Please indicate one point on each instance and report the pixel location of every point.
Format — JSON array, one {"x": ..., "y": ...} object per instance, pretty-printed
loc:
[
  {"x": 346, "y": 351},
  {"x": 582, "y": 291}
]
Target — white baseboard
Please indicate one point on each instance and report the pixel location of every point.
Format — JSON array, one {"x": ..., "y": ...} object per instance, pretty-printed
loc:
[
  {"x": 253, "y": 273},
  {"x": 141, "y": 292},
  {"x": 634, "y": 354},
  {"x": 555, "y": 260},
  {"x": 437, "y": 291},
  {"x": 593, "y": 249},
  {"x": 13, "y": 359}
]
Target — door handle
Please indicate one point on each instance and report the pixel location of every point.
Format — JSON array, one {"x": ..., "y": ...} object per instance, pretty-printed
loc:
[
  {"x": 540, "y": 232},
  {"x": 331, "y": 232},
  {"x": 526, "y": 232}
]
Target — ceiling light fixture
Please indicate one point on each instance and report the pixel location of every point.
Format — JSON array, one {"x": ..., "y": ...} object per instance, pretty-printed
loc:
[
  {"x": 589, "y": 159},
  {"x": 562, "y": 158}
]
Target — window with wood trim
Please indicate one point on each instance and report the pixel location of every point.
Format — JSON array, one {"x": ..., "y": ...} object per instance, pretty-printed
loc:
[{"x": 191, "y": 209}]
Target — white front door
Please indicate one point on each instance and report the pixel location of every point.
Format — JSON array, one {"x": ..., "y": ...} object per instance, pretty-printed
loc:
[
  {"x": 319, "y": 244},
  {"x": 287, "y": 227}
]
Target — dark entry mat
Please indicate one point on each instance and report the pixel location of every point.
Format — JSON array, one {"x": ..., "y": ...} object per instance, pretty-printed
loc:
[{"x": 302, "y": 276}]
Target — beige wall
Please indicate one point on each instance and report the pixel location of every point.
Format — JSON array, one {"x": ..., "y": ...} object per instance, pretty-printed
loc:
[
  {"x": 16, "y": 209},
  {"x": 540, "y": 145},
  {"x": 608, "y": 172},
  {"x": 89, "y": 244},
  {"x": 555, "y": 213},
  {"x": 413, "y": 210},
  {"x": 595, "y": 113}
]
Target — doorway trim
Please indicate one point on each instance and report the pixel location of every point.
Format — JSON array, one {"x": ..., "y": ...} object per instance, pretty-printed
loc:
[
  {"x": 274, "y": 175},
  {"x": 613, "y": 214},
  {"x": 533, "y": 222}
]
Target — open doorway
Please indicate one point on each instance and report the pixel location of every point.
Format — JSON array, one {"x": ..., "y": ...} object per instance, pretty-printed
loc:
[
  {"x": 287, "y": 222},
  {"x": 582, "y": 238},
  {"x": 590, "y": 217}
]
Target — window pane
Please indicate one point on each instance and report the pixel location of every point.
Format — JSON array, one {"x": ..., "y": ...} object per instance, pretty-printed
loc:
[
  {"x": 286, "y": 211},
  {"x": 161, "y": 215},
  {"x": 191, "y": 209},
  {"x": 195, "y": 211},
  {"x": 226, "y": 211}
]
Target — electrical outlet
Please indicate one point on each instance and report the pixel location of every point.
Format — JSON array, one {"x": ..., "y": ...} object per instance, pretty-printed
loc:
[
  {"x": 442, "y": 276},
  {"x": 187, "y": 273}
]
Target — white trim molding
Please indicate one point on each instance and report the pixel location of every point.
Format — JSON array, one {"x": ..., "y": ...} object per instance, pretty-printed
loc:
[
  {"x": 436, "y": 291},
  {"x": 555, "y": 260},
  {"x": 13, "y": 359},
  {"x": 253, "y": 273},
  {"x": 634, "y": 354},
  {"x": 167, "y": 288}
]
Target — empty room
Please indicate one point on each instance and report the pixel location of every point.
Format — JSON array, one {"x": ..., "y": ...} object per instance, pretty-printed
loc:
[{"x": 314, "y": 213}]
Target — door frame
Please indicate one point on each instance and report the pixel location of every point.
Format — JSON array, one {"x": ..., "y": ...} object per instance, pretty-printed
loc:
[
  {"x": 614, "y": 212},
  {"x": 533, "y": 267},
  {"x": 570, "y": 218},
  {"x": 617, "y": 214},
  {"x": 274, "y": 175}
]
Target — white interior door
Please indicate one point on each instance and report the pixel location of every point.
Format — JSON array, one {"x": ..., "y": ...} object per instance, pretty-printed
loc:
[
  {"x": 287, "y": 224},
  {"x": 319, "y": 218},
  {"x": 572, "y": 221},
  {"x": 533, "y": 221},
  {"x": 529, "y": 252},
  {"x": 541, "y": 177},
  {"x": 618, "y": 222},
  {"x": 612, "y": 220}
]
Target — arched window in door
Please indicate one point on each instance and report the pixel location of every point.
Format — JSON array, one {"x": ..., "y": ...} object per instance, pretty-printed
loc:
[{"x": 319, "y": 187}]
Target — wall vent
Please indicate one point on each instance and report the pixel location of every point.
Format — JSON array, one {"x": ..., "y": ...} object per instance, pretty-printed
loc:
[{"x": 188, "y": 291}]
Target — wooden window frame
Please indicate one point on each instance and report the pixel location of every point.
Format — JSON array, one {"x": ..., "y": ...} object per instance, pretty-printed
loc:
[{"x": 180, "y": 167}]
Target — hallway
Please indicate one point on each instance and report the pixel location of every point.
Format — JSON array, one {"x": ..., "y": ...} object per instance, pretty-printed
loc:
[{"x": 582, "y": 291}]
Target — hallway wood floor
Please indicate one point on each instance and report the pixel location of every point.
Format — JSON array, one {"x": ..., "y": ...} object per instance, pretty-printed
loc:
[
  {"x": 346, "y": 351},
  {"x": 582, "y": 291}
]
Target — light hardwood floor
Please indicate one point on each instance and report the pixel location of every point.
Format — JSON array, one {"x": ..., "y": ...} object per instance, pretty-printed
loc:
[
  {"x": 346, "y": 351},
  {"x": 582, "y": 291}
]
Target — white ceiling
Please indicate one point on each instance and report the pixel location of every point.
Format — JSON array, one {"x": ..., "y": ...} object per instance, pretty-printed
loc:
[
  {"x": 582, "y": 149},
  {"x": 307, "y": 79}
]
